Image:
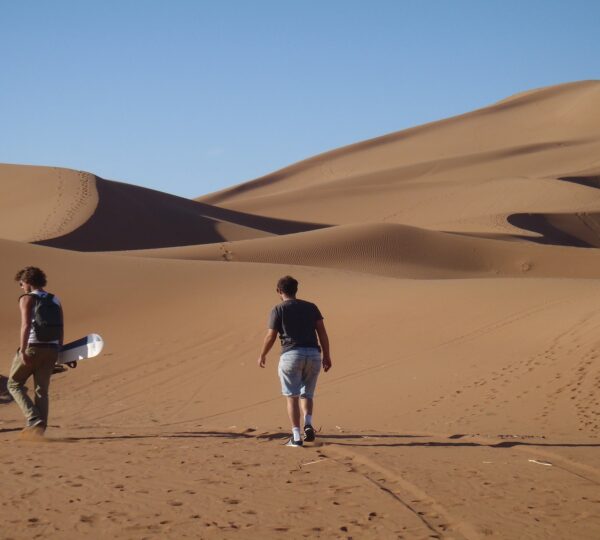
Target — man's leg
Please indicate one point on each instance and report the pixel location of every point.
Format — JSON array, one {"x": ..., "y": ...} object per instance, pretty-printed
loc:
[
  {"x": 19, "y": 373},
  {"x": 290, "y": 373},
  {"x": 41, "y": 379},
  {"x": 307, "y": 409},
  {"x": 293, "y": 408},
  {"x": 310, "y": 375}
]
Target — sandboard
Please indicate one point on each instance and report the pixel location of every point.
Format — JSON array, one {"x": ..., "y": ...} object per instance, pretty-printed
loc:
[{"x": 80, "y": 349}]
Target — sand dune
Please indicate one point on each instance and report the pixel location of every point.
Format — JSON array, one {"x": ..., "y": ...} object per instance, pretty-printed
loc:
[
  {"x": 79, "y": 211},
  {"x": 553, "y": 117},
  {"x": 130, "y": 217},
  {"x": 498, "y": 171},
  {"x": 56, "y": 201},
  {"x": 463, "y": 174},
  {"x": 463, "y": 402},
  {"x": 398, "y": 251}
]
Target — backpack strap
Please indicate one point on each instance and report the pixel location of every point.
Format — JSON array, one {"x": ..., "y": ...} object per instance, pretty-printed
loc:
[{"x": 50, "y": 296}]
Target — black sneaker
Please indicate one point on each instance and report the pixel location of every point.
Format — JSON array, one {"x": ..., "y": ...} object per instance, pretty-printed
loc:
[
  {"x": 293, "y": 443},
  {"x": 34, "y": 429},
  {"x": 309, "y": 433}
]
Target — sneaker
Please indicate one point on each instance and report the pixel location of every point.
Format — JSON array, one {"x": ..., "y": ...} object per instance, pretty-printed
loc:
[
  {"x": 36, "y": 423},
  {"x": 293, "y": 443},
  {"x": 34, "y": 430},
  {"x": 309, "y": 433}
]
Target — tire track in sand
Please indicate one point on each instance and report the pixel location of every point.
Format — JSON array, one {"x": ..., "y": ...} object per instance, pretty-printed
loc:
[{"x": 434, "y": 516}]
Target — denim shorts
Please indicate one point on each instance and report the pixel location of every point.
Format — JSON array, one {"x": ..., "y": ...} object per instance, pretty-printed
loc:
[{"x": 299, "y": 370}]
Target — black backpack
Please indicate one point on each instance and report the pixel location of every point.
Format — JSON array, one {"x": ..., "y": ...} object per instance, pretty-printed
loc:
[{"x": 47, "y": 318}]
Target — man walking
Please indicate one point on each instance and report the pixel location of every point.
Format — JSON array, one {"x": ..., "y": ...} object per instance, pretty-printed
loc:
[
  {"x": 41, "y": 339},
  {"x": 298, "y": 324}
]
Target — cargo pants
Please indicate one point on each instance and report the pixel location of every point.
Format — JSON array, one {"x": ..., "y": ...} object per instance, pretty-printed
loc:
[{"x": 42, "y": 360}]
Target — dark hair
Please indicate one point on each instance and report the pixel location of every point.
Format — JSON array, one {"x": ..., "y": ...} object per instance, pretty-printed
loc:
[
  {"x": 288, "y": 285},
  {"x": 32, "y": 275}
]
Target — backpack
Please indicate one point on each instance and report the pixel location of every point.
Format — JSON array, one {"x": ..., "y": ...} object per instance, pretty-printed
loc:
[{"x": 47, "y": 318}]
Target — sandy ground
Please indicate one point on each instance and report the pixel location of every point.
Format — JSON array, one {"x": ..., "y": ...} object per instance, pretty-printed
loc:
[
  {"x": 245, "y": 484},
  {"x": 464, "y": 399}
]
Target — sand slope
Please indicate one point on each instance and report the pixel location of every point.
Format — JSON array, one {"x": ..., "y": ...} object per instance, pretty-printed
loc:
[
  {"x": 398, "y": 251},
  {"x": 76, "y": 210},
  {"x": 464, "y": 174},
  {"x": 463, "y": 402},
  {"x": 56, "y": 201},
  {"x": 543, "y": 119},
  {"x": 428, "y": 376},
  {"x": 132, "y": 217},
  {"x": 198, "y": 327}
]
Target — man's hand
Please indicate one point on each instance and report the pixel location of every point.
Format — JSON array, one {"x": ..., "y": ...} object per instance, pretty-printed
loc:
[
  {"x": 270, "y": 338},
  {"x": 26, "y": 358},
  {"x": 324, "y": 341}
]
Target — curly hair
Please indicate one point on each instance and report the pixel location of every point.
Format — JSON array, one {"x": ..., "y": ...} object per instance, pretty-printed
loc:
[
  {"x": 32, "y": 275},
  {"x": 288, "y": 285}
]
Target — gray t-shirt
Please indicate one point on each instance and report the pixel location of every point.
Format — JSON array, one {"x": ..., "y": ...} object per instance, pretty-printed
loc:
[{"x": 296, "y": 321}]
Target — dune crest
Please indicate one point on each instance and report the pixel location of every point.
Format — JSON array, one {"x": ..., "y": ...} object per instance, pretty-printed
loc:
[
  {"x": 38, "y": 203},
  {"x": 75, "y": 210},
  {"x": 462, "y": 174},
  {"x": 398, "y": 251}
]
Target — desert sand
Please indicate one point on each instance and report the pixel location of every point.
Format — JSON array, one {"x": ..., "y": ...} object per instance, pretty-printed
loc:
[{"x": 456, "y": 266}]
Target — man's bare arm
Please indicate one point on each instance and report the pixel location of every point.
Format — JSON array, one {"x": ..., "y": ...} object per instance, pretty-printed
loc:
[
  {"x": 267, "y": 344},
  {"x": 324, "y": 341}
]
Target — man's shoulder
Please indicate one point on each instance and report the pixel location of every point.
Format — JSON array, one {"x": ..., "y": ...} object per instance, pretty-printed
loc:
[
  {"x": 302, "y": 307},
  {"x": 294, "y": 302},
  {"x": 27, "y": 298},
  {"x": 276, "y": 311},
  {"x": 308, "y": 304}
]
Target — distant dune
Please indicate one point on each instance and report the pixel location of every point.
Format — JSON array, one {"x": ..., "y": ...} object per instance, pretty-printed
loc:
[
  {"x": 132, "y": 217},
  {"x": 464, "y": 174},
  {"x": 43, "y": 202},
  {"x": 458, "y": 270},
  {"x": 398, "y": 251}
]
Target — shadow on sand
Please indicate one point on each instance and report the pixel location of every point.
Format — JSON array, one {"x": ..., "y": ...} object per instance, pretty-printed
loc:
[{"x": 340, "y": 439}]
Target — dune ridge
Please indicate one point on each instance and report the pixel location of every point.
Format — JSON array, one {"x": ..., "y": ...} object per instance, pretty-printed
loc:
[
  {"x": 398, "y": 251},
  {"x": 466, "y": 174},
  {"x": 531, "y": 119},
  {"x": 44, "y": 202},
  {"x": 130, "y": 217}
]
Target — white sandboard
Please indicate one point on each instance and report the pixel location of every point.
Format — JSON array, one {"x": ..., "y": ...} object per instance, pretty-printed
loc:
[{"x": 81, "y": 349}]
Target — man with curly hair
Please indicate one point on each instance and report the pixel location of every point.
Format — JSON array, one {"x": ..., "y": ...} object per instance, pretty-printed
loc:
[
  {"x": 304, "y": 348},
  {"x": 40, "y": 341}
]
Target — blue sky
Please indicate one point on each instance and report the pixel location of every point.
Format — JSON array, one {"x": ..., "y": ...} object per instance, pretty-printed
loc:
[{"x": 189, "y": 97}]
